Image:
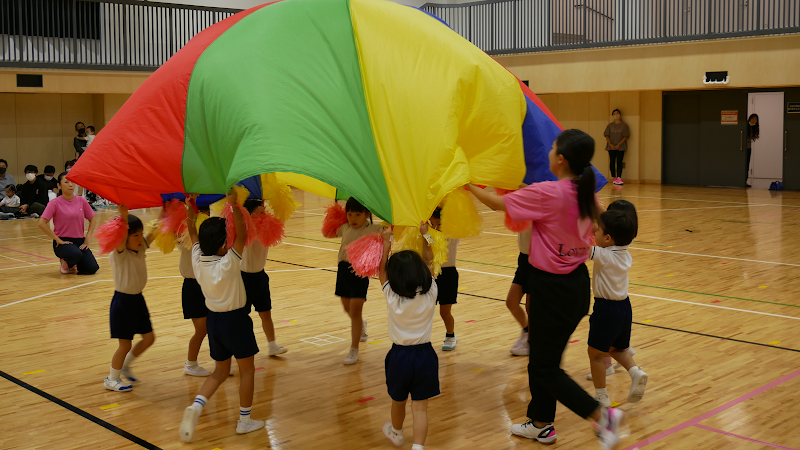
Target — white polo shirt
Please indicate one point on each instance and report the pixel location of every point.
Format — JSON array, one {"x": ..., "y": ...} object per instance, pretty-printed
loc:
[
  {"x": 610, "y": 273},
  {"x": 254, "y": 257},
  {"x": 185, "y": 263},
  {"x": 411, "y": 319},
  {"x": 129, "y": 270},
  {"x": 220, "y": 278}
]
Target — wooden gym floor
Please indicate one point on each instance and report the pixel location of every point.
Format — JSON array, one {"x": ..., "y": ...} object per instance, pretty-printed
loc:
[{"x": 716, "y": 325}]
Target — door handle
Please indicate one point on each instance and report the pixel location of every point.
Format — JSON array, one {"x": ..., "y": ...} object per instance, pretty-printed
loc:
[{"x": 741, "y": 138}]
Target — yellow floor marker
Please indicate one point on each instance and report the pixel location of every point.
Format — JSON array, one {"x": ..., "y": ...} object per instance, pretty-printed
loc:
[
  {"x": 376, "y": 342},
  {"x": 614, "y": 404},
  {"x": 113, "y": 405},
  {"x": 670, "y": 275},
  {"x": 35, "y": 371},
  {"x": 476, "y": 370},
  {"x": 762, "y": 287},
  {"x": 647, "y": 321},
  {"x": 774, "y": 342},
  {"x": 293, "y": 321}
]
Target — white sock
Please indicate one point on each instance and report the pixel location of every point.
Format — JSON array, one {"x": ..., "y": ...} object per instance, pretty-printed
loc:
[
  {"x": 199, "y": 403},
  {"x": 191, "y": 363},
  {"x": 400, "y": 431},
  {"x": 273, "y": 344},
  {"x": 417, "y": 447},
  {"x": 129, "y": 358},
  {"x": 633, "y": 371},
  {"x": 599, "y": 391},
  {"x": 244, "y": 413},
  {"x": 114, "y": 375}
]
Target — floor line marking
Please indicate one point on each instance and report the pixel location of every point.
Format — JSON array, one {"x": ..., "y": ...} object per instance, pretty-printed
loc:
[
  {"x": 54, "y": 292},
  {"x": 713, "y": 412},
  {"x": 309, "y": 246},
  {"x": 26, "y": 253},
  {"x": 32, "y": 265},
  {"x": 713, "y": 306},
  {"x": 768, "y": 444},
  {"x": 693, "y": 200},
  {"x": 15, "y": 259},
  {"x": 24, "y": 237},
  {"x": 701, "y": 207}
]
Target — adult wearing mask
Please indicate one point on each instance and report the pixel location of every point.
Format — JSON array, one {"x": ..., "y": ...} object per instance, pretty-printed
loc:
[
  {"x": 617, "y": 134},
  {"x": 5, "y": 178},
  {"x": 49, "y": 179},
  {"x": 79, "y": 141},
  {"x": 32, "y": 194}
]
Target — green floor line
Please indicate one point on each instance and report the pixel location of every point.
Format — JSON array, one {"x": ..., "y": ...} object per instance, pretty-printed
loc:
[{"x": 315, "y": 240}]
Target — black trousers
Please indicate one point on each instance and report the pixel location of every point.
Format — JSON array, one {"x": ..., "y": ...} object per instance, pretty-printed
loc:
[
  {"x": 749, "y": 152},
  {"x": 72, "y": 254},
  {"x": 615, "y": 162},
  {"x": 558, "y": 304}
]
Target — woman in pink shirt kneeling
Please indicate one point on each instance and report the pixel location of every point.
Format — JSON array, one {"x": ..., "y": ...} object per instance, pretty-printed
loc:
[
  {"x": 68, "y": 213},
  {"x": 562, "y": 213}
]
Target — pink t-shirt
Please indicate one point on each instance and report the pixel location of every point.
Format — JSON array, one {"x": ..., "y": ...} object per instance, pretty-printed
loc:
[
  {"x": 68, "y": 216},
  {"x": 559, "y": 237}
]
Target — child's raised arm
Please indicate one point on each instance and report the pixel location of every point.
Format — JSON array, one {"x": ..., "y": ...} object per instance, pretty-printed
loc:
[
  {"x": 238, "y": 221},
  {"x": 387, "y": 246},
  {"x": 427, "y": 252},
  {"x": 123, "y": 215},
  {"x": 191, "y": 218}
]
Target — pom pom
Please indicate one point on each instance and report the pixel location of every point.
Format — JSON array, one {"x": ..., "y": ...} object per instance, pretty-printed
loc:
[
  {"x": 516, "y": 227},
  {"x": 279, "y": 195},
  {"x": 174, "y": 219},
  {"x": 335, "y": 217},
  {"x": 230, "y": 226},
  {"x": 410, "y": 239},
  {"x": 365, "y": 255},
  {"x": 165, "y": 241},
  {"x": 111, "y": 234},
  {"x": 269, "y": 230},
  {"x": 460, "y": 218},
  {"x": 439, "y": 249}
]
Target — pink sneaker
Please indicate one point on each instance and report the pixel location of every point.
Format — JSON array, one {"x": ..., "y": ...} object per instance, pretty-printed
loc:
[
  {"x": 64, "y": 267},
  {"x": 619, "y": 181}
]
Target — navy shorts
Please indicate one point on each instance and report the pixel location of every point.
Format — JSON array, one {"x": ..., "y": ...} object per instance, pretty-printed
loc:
[
  {"x": 231, "y": 334},
  {"x": 447, "y": 282},
  {"x": 522, "y": 276},
  {"x": 193, "y": 300},
  {"x": 610, "y": 324},
  {"x": 256, "y": 286},
  {"x": 129, "y": 316},
  {"x": 348, "y": 284},
  {"x": 412, "y": 369}
]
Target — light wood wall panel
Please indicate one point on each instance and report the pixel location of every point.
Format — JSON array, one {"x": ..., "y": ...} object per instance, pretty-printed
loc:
[{"x": 39, "y": 131}]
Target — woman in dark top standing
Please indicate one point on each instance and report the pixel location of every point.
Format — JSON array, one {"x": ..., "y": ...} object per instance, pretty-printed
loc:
[
  {"x": 617, "y": 134},
  {"x": 79, "y": 141},
  {"x": 752, "y": 135}
]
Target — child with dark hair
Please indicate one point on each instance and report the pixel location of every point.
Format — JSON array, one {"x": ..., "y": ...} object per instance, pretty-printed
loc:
[
  {"x": 610, "y": 323},
  {"x": 9, "y": 205},
  {"x": 230, "y": 329},
  {"x": 129, "y": 314},
  {"x": 350, "y": 287},
  {"x": 32, "y": 194},
  {"x": 447, "y": 281},
  {"x": 256, "y": 281},
  {"x": 48, "y": 178},
  {"x": 412, "y": 366}
]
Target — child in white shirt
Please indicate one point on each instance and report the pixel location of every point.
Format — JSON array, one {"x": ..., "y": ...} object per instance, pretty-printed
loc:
[{"x": 9, "y": 206}]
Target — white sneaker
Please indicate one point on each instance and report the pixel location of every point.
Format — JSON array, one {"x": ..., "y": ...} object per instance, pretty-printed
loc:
[
  {"x": 231, "y": 373},
  {"x": 631, "y": 351},
  {"x": 396, "y": 438},
  {"x": 638, "y": 385},
  {"x": 609, "y": 371},
  {"x": 364, "y": 334},
  {"x": 190, "y": 416},
  {"x": 523, "y": 338},
  {"x": 449, "y": 343},
  {"x": 127, "y": 373},
  {"x": 603, "y": 400},
  {"x": 276, "y": 349},
  {"x": 608, "y": 428},
  {"x": 117, "y": 385},
  {"x": 545, "y": 435},
  {"x": 195, "y": 370},
  {"x": 248, "y": 426},
  {"x": 352, "y": 357}
]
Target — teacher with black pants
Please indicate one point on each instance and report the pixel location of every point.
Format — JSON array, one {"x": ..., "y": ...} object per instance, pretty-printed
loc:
[{"x": 617, "y": 134}]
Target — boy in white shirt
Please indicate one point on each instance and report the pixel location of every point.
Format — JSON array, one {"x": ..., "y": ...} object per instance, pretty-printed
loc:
[
  {"x": 412, "y": 366},
  {"x": 9, "y": 205},
  {"x": 230, "y": 329},
  {"x": 610, "y": 323}
]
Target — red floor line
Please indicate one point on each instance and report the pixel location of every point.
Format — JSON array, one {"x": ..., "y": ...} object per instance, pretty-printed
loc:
[{"x": 768, "y": 444}]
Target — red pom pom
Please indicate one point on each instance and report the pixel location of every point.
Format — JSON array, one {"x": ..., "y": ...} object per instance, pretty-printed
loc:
[
  {"x": 111, "y": 234},
  {"x": 174, "y": 220},
  {"x": 269, "y": 230},
  {"x": 365, "y": 255},
  {"x": 516, "y": 227},
  {"x": 230, "y": 226},
  {"x": 335, "y": 217}
]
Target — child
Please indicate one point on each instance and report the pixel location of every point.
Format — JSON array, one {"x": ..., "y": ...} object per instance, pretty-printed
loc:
[
  {"x": 230, "y": 329},
  {"x": 350, "y": 287},
  {"x": 9, "y": 206},
  {"x": 610, "y": 323},
  {"x": 447, "y": 283},
  {"x": 129, "y": 314},
  {"x": 412, "y": 366},
  {"x": 256, "y": 282},
  {"x": 520, "y": 287},
  {"x": 194, "y": 308},
  {"x": 562, "y": 213},
  {"x": 89, "y": 135}
]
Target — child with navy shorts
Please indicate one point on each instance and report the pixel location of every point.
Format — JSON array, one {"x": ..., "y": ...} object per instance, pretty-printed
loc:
[
  {"x": 194, "y": 308},
  {"x": 129, "y": 314},
  {"x": 520, "y": 287},
  {"x": 350, "y": 287},
  {"x": 230, "y": 329},
  {"x": 412, "y": 366},
  {"x": 256, "y": 281},
  {"x": 610, "y": 322},
  {"x": 447, "y": 283}
]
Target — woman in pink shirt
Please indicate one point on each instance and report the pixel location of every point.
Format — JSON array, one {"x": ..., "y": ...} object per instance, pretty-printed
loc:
[
  {"x": 68, "y": 212},
  {"x": 562, "y": 213}
]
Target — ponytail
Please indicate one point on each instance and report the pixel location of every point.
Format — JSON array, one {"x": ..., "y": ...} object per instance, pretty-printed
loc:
[{"x": 577, "y": 148}]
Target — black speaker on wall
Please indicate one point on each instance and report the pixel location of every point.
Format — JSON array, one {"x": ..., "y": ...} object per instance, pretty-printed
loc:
[{"x": 29, "y": 81}]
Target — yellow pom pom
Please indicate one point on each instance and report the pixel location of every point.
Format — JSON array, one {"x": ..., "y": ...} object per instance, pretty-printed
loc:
[
  {"x": 241, "y": 194},
  {"x": 410, "y": 239},
  {"x": 439, "y": 249},
  {"x": 165, "y": 242},
  {"x": 200, "y": 219},
  {"x": 279, "y": 195},
  {"x": 460, "y": 217},
  {"x": 407, "y": 239}
]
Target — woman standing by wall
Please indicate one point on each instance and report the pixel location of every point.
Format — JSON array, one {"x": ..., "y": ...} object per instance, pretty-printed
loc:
[
  {"x": 752, "y": 135},
  {"x": 617, "y": 134}
]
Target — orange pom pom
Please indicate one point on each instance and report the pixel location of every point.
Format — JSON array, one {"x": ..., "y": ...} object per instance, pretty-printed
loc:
[
  {"x": 335, "y": 217},
  {"x": 269, "y": 230},
  {"x": 230, "y": 226},
  {"x": 365, "y": 255},
  {"x": 111, "y": 234},
  {"x": 516, "y": 227},
  {"x": 174, "y": 220}
]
